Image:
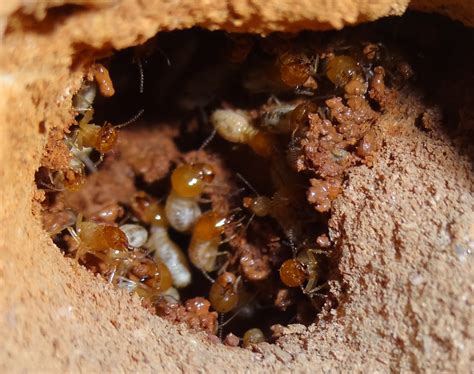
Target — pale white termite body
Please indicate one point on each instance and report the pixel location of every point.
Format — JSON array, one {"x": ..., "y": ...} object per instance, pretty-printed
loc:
[
  {"x": 137, "y": 235},
  {"x": 181, "y": 212},
  {"x": 84, "y": 98},
  {"x": 277, "y": 120},
  {"x": 170, "y": 254},
  {"x": 203, "y": 254},
  {"x": 235, "y": 126}
]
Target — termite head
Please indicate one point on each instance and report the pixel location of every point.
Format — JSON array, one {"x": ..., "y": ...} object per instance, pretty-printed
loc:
[
  {"x": 107, "y": 242},
  {"x": 148, "y": 210},
  {"x": 224, "y": 294},
  {"x": 295, "y": 68},
  {"x": 206, "y": 172},
  {"x": 106, "y": 139},
  {"x": 209, "y": 226},
  {"x": 258, "y": 205},
  {"x": 341, "y": 69},
  {"x": 73, "y": 179},
  {"x": 153, "y": 274},
  {"x": 293, "y": 273},
  {"x": 189, "y": 180}
]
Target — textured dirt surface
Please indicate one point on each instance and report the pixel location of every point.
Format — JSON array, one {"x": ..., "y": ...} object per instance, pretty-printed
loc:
[{"x": 405, "y": 227}]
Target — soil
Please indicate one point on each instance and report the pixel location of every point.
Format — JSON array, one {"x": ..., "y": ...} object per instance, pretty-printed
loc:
[{"x": 403, "y": 227}]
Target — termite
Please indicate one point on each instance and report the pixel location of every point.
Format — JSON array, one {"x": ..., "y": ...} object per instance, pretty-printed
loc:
[
  {"x": 159, "y": 242},
  {"x": 203, "y": 249},
  {"x": 188, "y": 182},
  {"x": 303, "y": 268}
]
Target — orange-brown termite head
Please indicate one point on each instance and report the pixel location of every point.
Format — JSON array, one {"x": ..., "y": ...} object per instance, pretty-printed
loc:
[
  {"x": 302, "y": 271},
  {"x": 341, "y": 69},
  {"x": 148, "y": 210},
  {"x": 204, "y": 246},
  {"x": 189, "y": 180},
  {"x": 102, "y": 138},
  {"x": 73, "y": 179},
  {"x": 106, "y": 138},
  {"x": 295, "y": 68},
  {"x": 292, "y": 273},
  {"x": 224, "y": 294},
  {"x": 149, "y": 274}
]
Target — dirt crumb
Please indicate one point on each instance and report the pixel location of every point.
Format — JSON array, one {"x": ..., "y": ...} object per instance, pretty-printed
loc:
[
  {"x": 195, "y": 313},
  {"x": 103, "y": 192},
  {"x": 148, "y": 153}
]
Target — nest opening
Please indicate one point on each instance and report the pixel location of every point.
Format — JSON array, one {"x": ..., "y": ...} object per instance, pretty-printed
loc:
[{"x": 306, "y": 108}]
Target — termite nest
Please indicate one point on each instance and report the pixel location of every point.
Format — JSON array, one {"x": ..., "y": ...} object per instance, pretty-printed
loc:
[{"x": 201, "y": 168}]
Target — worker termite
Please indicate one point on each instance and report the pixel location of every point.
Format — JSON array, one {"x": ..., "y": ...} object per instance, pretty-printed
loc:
[
  {"x": 236, "y": 126},
  {"x": 88, "y": 136},
  {"x": 223, "y": 294},
  {"x": 203, "y": 249},
  {"x": 171, "y": 254},
  {"x": 69, "y": 180},
  {"x": 296, "y": 68},
  {"x": 188, "y": 182},
  {"x": 341, "y": 69},
  {"x": 278, "y": 119},
  {"x": 280, "y": 207},
  {"x": 159, "y": 242},
  {"x": 107, "y": 243},
  {"x": 84, "y": 98},
  {"x": 303, "y": 268},
  {"x": 287, "y": 118},
  {"x": 228, "y": 294},
  {"x": 101, "y": 138},
  {"x": 146, "y": 277}
]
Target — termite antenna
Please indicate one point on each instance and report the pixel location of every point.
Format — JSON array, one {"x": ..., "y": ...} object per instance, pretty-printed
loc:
[
  {"x": 247, "y": 225},
  {"x": 221, "y": 325},
  {"x": 291, "y": 240},
  {"x": 142, "y": 76},
  {"x": 221, "y": 319},
  {"x": 237, "y": 312},
  {"x": 141, "y": 89},
  {"x": 208, "y": 140},
  {"x": 131, "y": 120},
  {"x": 168, "y": 61},
  {"x": 247, "y": 183}
]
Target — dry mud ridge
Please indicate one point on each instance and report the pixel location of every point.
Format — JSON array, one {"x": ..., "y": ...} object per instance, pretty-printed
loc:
[{"x": 403, "y": 227}]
